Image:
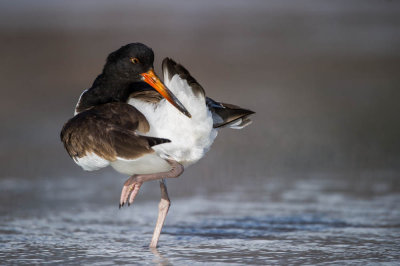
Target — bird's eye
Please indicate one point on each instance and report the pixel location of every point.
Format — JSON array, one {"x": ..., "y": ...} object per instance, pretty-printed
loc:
[{"x": 134, "y": 60}]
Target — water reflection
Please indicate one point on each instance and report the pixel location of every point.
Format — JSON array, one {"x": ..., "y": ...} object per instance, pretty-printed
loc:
[{"x": 160, "y": 259}]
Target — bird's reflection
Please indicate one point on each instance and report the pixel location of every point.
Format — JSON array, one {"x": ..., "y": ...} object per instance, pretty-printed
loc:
[{"x": 159, "y": 258}]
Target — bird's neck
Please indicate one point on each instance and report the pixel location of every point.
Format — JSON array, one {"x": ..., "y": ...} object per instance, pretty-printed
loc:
[{"x": 105, "y": 89}]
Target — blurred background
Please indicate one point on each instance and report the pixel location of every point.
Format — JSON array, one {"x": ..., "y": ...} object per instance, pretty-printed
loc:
[{"x": 322, "y": 77}]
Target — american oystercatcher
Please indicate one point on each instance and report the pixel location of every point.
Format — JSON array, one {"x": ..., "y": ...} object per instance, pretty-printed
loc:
[{"x": 130, "y": 120}]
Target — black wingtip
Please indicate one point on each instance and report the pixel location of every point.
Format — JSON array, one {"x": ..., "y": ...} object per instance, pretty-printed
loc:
[
  {"x": 156, "y": 141},
  {"x": 226, "y": 114}
]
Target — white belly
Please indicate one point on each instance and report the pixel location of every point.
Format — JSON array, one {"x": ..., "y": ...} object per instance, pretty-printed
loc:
[
  {"x": 147, "y": 164},
  {"x": 190, "y": 138}
]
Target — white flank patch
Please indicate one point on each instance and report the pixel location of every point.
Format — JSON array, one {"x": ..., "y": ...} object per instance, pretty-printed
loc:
[
  {"x": 240, "y": 123},
  {"x": 91, "y": 162},
  {"x": 190, "y": 138}
]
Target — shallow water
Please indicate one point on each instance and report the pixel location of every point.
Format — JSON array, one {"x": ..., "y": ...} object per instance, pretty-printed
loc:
[{"x": 284, "y": 221}]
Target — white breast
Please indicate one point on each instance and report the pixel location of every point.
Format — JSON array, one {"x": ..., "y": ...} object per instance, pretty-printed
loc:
[{"x": 190, "y": 138}]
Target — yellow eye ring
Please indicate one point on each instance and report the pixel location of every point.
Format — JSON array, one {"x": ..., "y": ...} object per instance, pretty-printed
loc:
[{"x": 134, "y": 60}]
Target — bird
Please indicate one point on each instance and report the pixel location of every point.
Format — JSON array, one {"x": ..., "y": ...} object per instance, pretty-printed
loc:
[{"x": 145, "y": 128}]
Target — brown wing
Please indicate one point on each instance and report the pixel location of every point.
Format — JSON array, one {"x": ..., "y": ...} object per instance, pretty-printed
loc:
[
  {"x": 110, "y": 131},
  {"x": 149, "y": 96}
]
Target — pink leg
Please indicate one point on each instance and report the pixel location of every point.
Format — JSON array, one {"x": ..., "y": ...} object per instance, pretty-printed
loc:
[
  {"x": 163, "y": 208},
  {"x": 133, "y": 183},
  {"x": 132, "y": 186}
]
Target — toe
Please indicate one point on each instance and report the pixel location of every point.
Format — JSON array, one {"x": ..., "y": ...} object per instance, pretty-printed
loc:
[
  {"x": 124, "y": 195},
  {"x": 134, "y": 193}
]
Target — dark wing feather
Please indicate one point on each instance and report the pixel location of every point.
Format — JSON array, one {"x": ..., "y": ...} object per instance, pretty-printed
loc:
[
  {"x": 129, "y": 145},
  {"x": 225, "y": 115},
  {"x": 170, "y": 68},
  {"x": 110, "y": 131},
  {"x": 149, "y": 96}
]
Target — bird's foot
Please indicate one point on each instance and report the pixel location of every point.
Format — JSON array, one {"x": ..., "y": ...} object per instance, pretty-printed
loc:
[{"x": 130, "y": 190}]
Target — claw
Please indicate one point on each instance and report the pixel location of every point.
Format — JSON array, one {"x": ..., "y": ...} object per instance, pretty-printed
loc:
[{"x": 124, "y": 196}]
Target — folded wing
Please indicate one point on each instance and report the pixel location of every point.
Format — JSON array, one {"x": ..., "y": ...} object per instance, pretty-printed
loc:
[{"x": 100, "y": 135}]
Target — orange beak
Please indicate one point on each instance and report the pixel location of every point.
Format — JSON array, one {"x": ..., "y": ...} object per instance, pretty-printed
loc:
[{"x": 152, "y": 79}]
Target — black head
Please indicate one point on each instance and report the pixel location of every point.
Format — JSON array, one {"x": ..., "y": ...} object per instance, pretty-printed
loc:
[
  {"x": 130, "y": 64},
  {"x": 129, "y": 61}
]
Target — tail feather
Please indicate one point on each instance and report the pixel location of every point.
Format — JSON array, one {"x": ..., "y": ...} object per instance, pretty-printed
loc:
[{"x": 229, "y": 115}]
